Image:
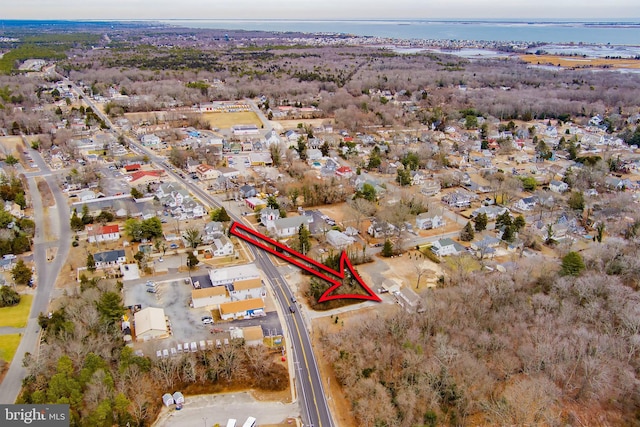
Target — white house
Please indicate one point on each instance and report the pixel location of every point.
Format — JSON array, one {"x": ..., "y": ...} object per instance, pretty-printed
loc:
[
  {"x": 150, "y": 140},
  {"x": 246, "y": 289},
  {"x": 206, "y": 172},
  {"x": 107, "y": 233},
  {"x": 444, "y": 247},
  {"x": 268, "y": 217},
  {"x": 430, "y": 187},
  {"x": 526, "y": 204},
  {"x": 86, "y": 195},
  {"x": 224, "y": 276},
  {"x": 222, "y": 246},
  {"x": 558, "y": 186},
  {"x": 285, "y": 227},
  {"x": 338, "y": 239},
  {"x": 491, "y": 211},
  {"x": 381, "y": 229},
  {"x": 109, "y": 258},
  {"x": 429, "y": 220},
  {"x": 271, "y": 138}
]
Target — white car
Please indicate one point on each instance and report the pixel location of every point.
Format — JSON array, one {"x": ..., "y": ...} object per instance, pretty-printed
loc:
[{"x": 207, "y": 320}]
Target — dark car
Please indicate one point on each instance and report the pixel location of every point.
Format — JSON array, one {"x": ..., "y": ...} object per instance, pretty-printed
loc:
[{"x": 292, "y": 309}]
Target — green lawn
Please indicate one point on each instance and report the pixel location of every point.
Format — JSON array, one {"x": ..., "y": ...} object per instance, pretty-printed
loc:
[
  {"x": 16, "y": 316},
  {"x": 8, "y": 346}
]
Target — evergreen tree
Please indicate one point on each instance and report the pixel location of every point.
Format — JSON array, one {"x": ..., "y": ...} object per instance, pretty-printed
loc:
[
  {"x": 21, "y": 274},
  {"x": 304, "y": 239},
  {"x": 387, "y": 249},
  {"x": 91, "y": 263},
  {"x": 481, "y": 221},
  {"x": 572, "y": 264},
  {"x": 467, "y": 234}
]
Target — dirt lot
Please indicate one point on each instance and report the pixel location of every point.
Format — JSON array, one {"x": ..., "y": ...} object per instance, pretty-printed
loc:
[
  {"x": 11, "y": 145},
  {"x": 580, "y": 62},
  {"x": 226, "y": 120}
]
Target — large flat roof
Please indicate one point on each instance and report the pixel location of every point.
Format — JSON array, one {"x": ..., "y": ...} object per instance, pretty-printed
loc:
[{"x": 235, "y": 273}]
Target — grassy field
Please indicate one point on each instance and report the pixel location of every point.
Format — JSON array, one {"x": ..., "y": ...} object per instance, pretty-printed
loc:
[
  {"x": 226, "y": 120},
  {"x": 8, "y": 346},
  {"x": 16, "y": 316},
  {"x": 580, "y": 62}
]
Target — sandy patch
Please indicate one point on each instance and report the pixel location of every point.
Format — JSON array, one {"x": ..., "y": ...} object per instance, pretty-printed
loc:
[{"x": 573, "y": 62}]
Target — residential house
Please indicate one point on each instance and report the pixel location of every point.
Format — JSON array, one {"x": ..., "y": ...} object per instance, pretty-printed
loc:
[
  {"x": 558, "y": 186},
  {"x": 206, "y": 172},
  {"x": 222, "y": 246},
  {"x": 430, "y": 220},
  {"x": 445, "y": 247},
  {"x": 491, "y": 211},
  {"x": 292, "y": 135},
  {"x": 87, "y": 195},
  {"x": 192, "y": 165},
  {"x": 485, "y": 246},
  {"x": 213, "y": 229},
  {"x": 268, "y": 217},
  {"x": 617, "y": 184},
  {"x": 457, "y": 199},
  {"x": 344, "y": 171},
  {"x": 286, "y": 227},
  {"x": 314, "y": 154},
  {"x": 430, "y": 187},
  {"x": 106, "y": 233},
  {"x": 526, "y": 204},
  {"x": 380, "y": 229},
  {"x": 150, "y": 140},
  {"x": 417, "y": 177},
  {"x": 339, "y": 240},
  {"x": 247, "y": 191},
  {"x": 109, "y": 258},
  {"x": 246, "y": 289}
]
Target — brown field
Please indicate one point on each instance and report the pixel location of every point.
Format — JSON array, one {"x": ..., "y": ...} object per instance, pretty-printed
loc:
[
  {"x": 226, "y": 120},
  {"x": 580, "y": 62}
]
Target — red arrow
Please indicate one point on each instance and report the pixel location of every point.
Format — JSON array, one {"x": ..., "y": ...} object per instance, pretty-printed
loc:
[{"x": 294, "y": 257}]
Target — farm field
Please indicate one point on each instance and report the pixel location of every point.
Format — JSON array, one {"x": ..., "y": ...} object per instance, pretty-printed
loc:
[{"x": 580, "y": 62}]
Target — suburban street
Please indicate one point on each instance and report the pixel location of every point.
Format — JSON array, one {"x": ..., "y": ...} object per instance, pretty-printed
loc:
[
  {"x": 307, "y": 372},
  {"x": 57, "y": 237}
]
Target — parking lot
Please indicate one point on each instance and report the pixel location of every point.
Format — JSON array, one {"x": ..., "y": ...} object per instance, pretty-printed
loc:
[{"x": 186, "y": 323}]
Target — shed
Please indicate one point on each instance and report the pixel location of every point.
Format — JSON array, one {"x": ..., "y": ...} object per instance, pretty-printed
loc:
[
  {"x": 178, "y": 398},
  {"x": 167, "y": 399}
]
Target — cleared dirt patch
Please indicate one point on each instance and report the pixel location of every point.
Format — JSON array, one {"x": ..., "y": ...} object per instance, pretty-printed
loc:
[{"x": 226, "y": 120}]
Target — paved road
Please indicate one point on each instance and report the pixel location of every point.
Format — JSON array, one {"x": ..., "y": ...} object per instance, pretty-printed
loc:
[
  {"x": 47, "y": 271},
  {"x": 317, "y": 411}
]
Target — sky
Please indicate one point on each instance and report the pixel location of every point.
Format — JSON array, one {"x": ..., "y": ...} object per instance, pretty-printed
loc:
[{"x": 320, "y": 9}]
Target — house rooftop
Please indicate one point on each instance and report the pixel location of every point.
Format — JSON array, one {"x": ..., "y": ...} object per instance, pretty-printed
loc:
[{"x": 243, "y": 305}]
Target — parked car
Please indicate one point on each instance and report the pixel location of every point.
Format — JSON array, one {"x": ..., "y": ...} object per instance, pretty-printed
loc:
[
  {"x": 207, "y": 320},
  {"x": 152, "y": 290}
]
